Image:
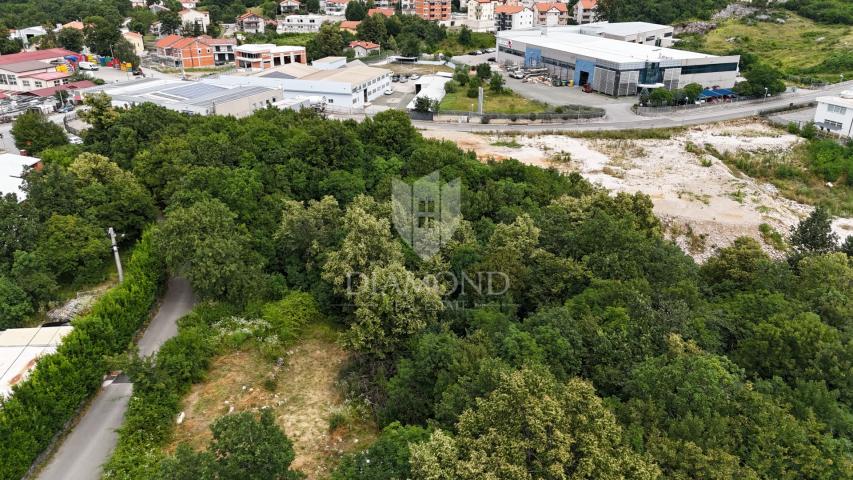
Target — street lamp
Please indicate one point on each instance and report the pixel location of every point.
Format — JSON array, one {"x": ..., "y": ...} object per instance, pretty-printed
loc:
[{"x": 766, "y": 94}]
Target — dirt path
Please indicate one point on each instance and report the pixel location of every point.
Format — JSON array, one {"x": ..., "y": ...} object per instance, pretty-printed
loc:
[
  {"x": 704, "y": 204},
  {"x": 304, "y": 397}
]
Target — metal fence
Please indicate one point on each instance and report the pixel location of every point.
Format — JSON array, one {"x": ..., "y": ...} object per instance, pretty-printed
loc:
[{"x": 456, "y": 116}]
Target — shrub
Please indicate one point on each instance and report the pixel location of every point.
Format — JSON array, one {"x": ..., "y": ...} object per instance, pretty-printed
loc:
[
  {"x": 451, "y": 86},
  {"x": 289, "y": 315},
  {"x": 40, "y": 406}
]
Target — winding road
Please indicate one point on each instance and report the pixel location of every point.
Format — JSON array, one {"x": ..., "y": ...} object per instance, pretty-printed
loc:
[{"x": 90, "y": 443}]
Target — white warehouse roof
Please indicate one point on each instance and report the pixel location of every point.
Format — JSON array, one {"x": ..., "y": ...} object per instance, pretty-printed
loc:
[
  {"x": 20, "y": 349},
  {"x": 11, "y": 168},
  {"x": 606, "y": 49}
]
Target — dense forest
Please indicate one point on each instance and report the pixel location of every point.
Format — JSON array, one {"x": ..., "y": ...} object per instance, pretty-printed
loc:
[
  {"x": 825, "y": 11},
  {"x": 664, "y": 12},
  {"x": 602, "y": 350}
]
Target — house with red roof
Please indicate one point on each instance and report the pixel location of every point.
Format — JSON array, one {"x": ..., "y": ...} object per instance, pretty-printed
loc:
[
  {"x": 350, "y": 26},
  {"x": 584, "y": 11},
  {"x": 194, "y": 52},
  {"x": 362, "y": 48},
  {"x": 513, "y": 17},
  {"x": 22, "y": 72},
  {"x": 286, "y": 7},
  {"x": 551, "y": 14},
  {"x": 388, "y": 12},
  {"x": 251, "y": 22}
]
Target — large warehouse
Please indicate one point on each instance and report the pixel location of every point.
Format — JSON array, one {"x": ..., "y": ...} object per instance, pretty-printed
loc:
[{"x": 613, "y": 67}]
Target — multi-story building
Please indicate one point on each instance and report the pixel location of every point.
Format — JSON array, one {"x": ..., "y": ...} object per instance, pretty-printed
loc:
[
  {"x": 433, "y": 9},
  {"x": 286, "y": 7},
  {"x": 135, "y": 39},
  {"x": 223, "y": 49},
  {"x": 584, "y": 11},
  {"x": 513, "y": 17},
  {"x": 481, "y": 15},
  {"x": 22, "y": 72},
  {"x": 195, "y": 17},
  {"x": 309, "y": 23},
  {"x": 194, "y": 52},
  {"x": 407, "y": 7},
  {"x": 251, "y": 22},
  {"x": 551, "y": 14},
  {"x": 335, "y": 7},
  {"x": 264, "y": 56}
]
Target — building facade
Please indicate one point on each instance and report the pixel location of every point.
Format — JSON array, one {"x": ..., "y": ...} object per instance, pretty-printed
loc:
[
  {"x": 362, "y": 48},
  {"x": 336, "y": 7},
  {"x": 584, "y": 11},
  {"x": 195, "y": 17},
  {"x": 433, "y": 9},
  {"x": 135, "y": 39},
  {"x": 309, "y": 23},
  {"x": 26, "y": 71},
  {"x": 513, "y": 17},
  {"x": 481, "y": 15},
  {"x": 250, "y": 22},
  {"x": 265, "y": 56},
  {"x": 835, "y": 114},
  {"x": 613, "y": 67},
  {"x": 551, "y": 14}
]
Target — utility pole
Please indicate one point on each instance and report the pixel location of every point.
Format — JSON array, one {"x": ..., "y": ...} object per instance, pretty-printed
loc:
[{"x": 115, "y": 254}]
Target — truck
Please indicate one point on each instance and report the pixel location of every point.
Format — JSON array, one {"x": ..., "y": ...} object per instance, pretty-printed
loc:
[{"x": 88, "y": 66}]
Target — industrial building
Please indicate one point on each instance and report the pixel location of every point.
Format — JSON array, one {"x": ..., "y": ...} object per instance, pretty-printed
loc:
[
  {"x": 835, "y": 114},
  {"x": 583, "y": 55},
  {"x": 202, "y": 97}
]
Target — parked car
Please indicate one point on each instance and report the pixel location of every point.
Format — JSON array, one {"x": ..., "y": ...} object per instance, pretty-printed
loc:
[
  {"x": 415, "y": 76},
  {"x": 395, "y": 78},
  {"x": 74, "y": 139},
  {"x": 88, "y": 66},
  {"x": 65, "y": 108},
  {"x": 404, "y": 79},
  {"x": 491, "y": 59},
  {"x": 477, "y": 52},
  {"x": 389, "y": 92},
  {"x": 138, "y": 73}
]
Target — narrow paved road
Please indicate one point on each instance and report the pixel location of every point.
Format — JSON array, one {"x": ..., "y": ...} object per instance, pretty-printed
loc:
[
  {"x": 617, "y": 119},
  {"x": 93, "y": 439}
]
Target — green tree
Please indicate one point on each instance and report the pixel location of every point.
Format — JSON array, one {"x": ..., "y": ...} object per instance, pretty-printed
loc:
[
  {"x": 71, "y": 39},
  {"x": 484, "y": 71},
  {"x": 8, "y": 45},
  {"x": 15, "y": 306},
  {"x": 111, "y": 197},
  {"x": 313, "y": 6},
  {"x": 170, "y": 21},
  {"x": 760, "y": 77},
  {"x": 328, "y": 42},
  {"x": 410, "y": 45},
  {"x": 814, "y": 233},
  {"x": 373, "y": 29},
  {"x": 660, "y": 97},
  {"x": 532, "y": 427},
  {"x": 34, "y": 132},
  {"x": 247, "y": 448},
  {"x": 386, "y": 458},
  {"x": 465, "y": 37},
  {"x": 74, "y": 249},
  {"x": 356, "y": 10},
  {"x": 204, "y": 243},
  {"x": 101, "y": 35},
  {"x": 392, "y": 305},
  {"x": 692, "y": 91},
  {"x": 496, "y": 84}
]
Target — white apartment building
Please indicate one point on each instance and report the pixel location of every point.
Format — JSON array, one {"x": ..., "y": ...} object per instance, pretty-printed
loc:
[
  {"x": 835, "y": 114},
  {"x": 513, "y": 17},
  {"x": 335, "y": 7},
  {"x": 193, "y": 17},
  {"x": 481, "y": 15},
  {"x": 266, "y": 55},
  {"x": 309, "y": 23},
  {"x": 584, "y": 11}
]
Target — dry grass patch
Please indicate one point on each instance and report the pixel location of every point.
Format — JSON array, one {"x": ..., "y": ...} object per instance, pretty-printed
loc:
[{"x": 303, "y": 391}]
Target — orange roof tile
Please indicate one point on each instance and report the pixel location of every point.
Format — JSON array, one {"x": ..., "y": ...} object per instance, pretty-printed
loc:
[
  {"x": 363, "y": 44},
  {"x": 544, "y": 7},
  {"x": 167, "y": 41},
  {"x": 509, "y": 9},
  {"x": 384, "y": 11},
  {"x": 351, "y": 24},
  {"x": 588, "y": 4}
]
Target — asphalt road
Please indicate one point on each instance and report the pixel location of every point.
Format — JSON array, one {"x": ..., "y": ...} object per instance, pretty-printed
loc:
[
  {"x": 93, "y": 439},
  {"x": 622, "y": 121}
]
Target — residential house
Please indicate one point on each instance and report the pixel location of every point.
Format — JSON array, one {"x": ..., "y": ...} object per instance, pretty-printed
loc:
[
  {"x": 335, "y": 7},
  {"x": 223, "y": 49},
  {"x": 362, "y": 48},
  {"x": 433, "y": 9},
  {"x": 135, "y": 39},
  {"x": 158, "y": 7},
  {"x": 551, "y": 14},
  {"x": 288, "y": 6},
  {"x": 25, "y": 71},
  {"x": 138, "y": 3},
  {"x": 407, "y": 7},
  {"x": 251, "y": 22},
  {"x": 584, "y": 11},
  {"x": 195, "y": 17},
  {"x": 513, "y": 17},
  {"x": 350, "y": 26},
  {"x": 481, "y": 15},
  {"x": 27, "y": 35},
  {"x": 308, "y": 23},
  {"x": 76, "y": 25},
  {"x": 265, "y": 56},
  {"x": 189, "y": 4},
  {"x": 388, "y": 12}
]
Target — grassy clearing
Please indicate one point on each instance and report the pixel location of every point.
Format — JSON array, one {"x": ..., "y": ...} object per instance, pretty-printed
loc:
[
  {"x": 304, "y": 394},
  {"x": 797, "y": 44},
  {"x": 789, "y": 173},
  {"x": 451, "y": 46},
  {"x": 511, "y": 143},
  {"x": 506, "y": 102},
  {"x": 772, "y": 237}
]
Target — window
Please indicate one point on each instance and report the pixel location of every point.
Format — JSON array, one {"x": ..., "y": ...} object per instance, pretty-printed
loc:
[
  {"x": 649, "y": 39},
  {"x": 25, "y": 83},
  {"x": 716, "y": 67},
  {"x": 39, "y": 84},
  {"x": 832, "y": 125},
  {"x": 836, "y": 109}
]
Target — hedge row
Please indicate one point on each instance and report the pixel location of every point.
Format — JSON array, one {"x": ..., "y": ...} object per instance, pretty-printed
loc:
[
  {"x": 158, "y": 387},
  {"x": 40, "y": 406}
]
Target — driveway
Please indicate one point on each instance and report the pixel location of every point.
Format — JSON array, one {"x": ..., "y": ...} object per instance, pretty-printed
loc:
[{"x": 91, "y": 442}]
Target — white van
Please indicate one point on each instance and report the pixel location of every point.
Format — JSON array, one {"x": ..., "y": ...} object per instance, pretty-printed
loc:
[{"x": 88, "y": 66}]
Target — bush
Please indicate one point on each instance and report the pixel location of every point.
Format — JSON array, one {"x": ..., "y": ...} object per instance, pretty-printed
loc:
[
  {"x": 289, "y": 315},
  {"x": 451, "y": 86},
  {"x": 40, "y": 406}
]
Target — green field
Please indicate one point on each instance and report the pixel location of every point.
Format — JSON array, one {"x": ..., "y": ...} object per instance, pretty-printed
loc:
[
  {"x": 507, "y": 102},
  {"x": 795, "y": 46}
]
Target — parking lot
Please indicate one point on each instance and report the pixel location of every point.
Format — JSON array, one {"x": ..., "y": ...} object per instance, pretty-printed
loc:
[{"x": 403, "y": 94}]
